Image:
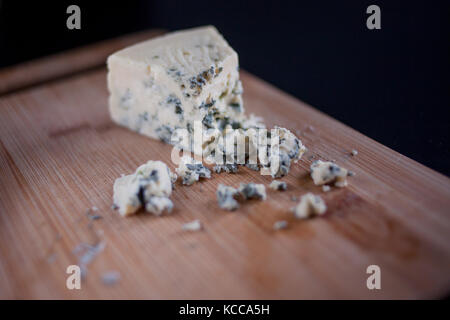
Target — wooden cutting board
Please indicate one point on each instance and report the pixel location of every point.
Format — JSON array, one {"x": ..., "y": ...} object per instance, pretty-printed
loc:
[{"x": 60, "y": 154}]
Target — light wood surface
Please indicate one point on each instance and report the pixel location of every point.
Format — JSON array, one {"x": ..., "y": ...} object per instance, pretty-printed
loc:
[
  {"x": 62, "y": 64},
  {"x": 60, "y": 154}
]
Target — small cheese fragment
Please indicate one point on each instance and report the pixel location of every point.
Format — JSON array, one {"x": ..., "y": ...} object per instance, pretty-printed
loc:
[
  {"x": 150, "y": 186},
  {"x": 195, "y": 225},
  {"x": 324, "y": 172},
  {"x": 228, "y": 168},
  {"x": 157, "y": 205},
  {"x": 278, "y": 225},
  {"x": 278, "y": 185},
  {"x": 252, "y": 191},
  {"x": 225, "y": 197},
  {"x": 191, "y": 171},
  {"x": 309, "y": 205},
  {"x": 290, "y": 148}
]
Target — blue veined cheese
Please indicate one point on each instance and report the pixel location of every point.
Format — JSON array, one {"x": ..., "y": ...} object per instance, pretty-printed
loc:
[
  {"x": 225, "y": 197},
  {"x": 278, "y": 185},
  {"x": 289, "y": 147},
  {"x": 325, "y": 172},
  {"x": 169, "y": 82},
  {"x": 191, "y": 171},
  {"x": 228, "y": 168},
  {"x": 195, "y": 225},
  {"x": 150, "y": 187},
  {"x": 252, "y": 191}
]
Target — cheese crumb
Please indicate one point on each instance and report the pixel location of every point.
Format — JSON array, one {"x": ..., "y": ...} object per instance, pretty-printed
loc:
[
  {"x": 195, "y": 225},
  {"x": 309, "y": 205},
  {"x": 278, "y": 225},
  {"x": 191, "y": 171},
  {"x": 225, "y": 197},
  {"x": 354, "y": 152},
  {"x": 149, "y": 187},
  {"x": 253, "y": 191},
  {"x": 278, "y": 185},
  {"x": 326, "y": 188},
  {"x": 324, "y": 172},
  {"x": 228, "y": 168}
]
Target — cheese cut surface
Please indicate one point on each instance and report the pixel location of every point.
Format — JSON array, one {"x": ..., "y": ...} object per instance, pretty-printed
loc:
[{"x": 169, "y": 82}]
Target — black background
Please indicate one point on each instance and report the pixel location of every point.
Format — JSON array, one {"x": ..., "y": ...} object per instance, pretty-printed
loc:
[{"x": 390, "y": 84}]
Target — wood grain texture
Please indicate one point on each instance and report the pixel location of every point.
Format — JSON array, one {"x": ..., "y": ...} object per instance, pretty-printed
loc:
[
  {"x": 62, "y": 64},
  {"x": 60, "y": 154}
]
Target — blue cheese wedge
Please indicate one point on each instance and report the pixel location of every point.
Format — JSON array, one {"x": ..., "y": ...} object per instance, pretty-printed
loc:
[
  {"x": 157, "y": 205},
  {"x": 325, "y": 172},
  {"x": 169, "y": 86},
  {"x": 149, "y": 187},
  {"x": 191, "y": 171},
  {"x": 310, "y": 205},
  {"x": 171, "y": 81}
]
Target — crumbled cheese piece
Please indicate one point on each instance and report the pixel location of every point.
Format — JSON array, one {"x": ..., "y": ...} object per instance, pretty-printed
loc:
[
  {"x": 309, "y": 206},
  {"x": 229, "y": 168},
  {"x": 173, "y": 177},
  {"x": 282, "y": 224},
  {"x": 225, "y": 197},
  {"x": 195, "y": 225},
  {"x": 254, "y": 167},
  {"x": 354, "y": 152},
  {"x": 150, "y": 183},
  {"x": 252, "y": 191},
  {"x": 278, "y": 185},
  {"x": 191, "y": 171},
  {"x": 326, "y": 188},
  {"x": 157, "y": 205},
  {"x": 324, "y": 172},
  {"x": 290, "y": 149}
]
